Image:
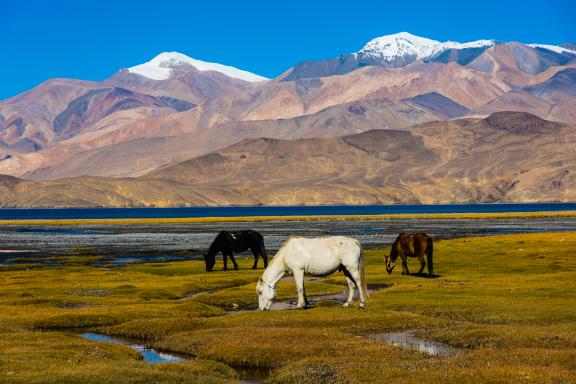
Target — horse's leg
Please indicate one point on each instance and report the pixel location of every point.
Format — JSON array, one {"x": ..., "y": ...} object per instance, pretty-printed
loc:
[
  {"x": 299, "y": 279},
  {"x": 233, "y": 261},
  {"x": 404, "y": 264},
  {"x": 357, "y": 279},
  {"x": 429, "y": 257},
  {"x": 422, "y": 262},
  {"x": 225, "y": 258},
  {"x": 351, "y": 288},
  {"x": 255, "y": 258}
]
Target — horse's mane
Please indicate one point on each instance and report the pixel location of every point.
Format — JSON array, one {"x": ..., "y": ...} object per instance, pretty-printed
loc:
[
  {"x": 215, "y": 246},
  {"x": 282, "y": 249}
]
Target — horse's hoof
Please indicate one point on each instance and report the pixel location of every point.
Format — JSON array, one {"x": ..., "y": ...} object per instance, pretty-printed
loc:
[
  {"x": 362, "y": 306},
  {"x": 235, "y": 268},
  {"x": 346, "y": 305}
]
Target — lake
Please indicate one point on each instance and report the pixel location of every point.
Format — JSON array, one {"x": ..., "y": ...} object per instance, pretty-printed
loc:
[{"x": 151, "y": 213}]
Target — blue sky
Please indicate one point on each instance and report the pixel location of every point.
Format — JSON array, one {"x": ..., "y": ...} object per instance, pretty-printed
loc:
[{"x": 93, "y": 39}]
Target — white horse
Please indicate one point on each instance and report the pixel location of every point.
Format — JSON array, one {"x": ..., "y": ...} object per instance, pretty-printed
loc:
[{"x": 317, "y": 257}]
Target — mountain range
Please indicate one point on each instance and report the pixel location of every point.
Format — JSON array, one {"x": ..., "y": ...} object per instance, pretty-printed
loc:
[
  {"x": 153, "y": 116},
  {"x": 506, "y": 157}
]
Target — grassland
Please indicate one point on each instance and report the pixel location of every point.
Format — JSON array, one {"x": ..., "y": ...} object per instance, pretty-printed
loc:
[{"x": 509, "y": 303}]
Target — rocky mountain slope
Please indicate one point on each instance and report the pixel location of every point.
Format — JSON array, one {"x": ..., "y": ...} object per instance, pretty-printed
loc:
[
  {"x": 174, "y": 107},
  {"x": 147, "y": 150},
  {"x": 507, "y": 157}
]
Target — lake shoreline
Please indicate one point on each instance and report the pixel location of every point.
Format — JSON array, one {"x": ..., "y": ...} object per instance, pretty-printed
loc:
[
  {"x": 231, "y": 219},
  {"x": 150, "y": 239}
]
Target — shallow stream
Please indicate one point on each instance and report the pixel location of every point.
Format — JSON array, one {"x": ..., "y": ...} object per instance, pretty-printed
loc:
[{"x": 150, "y": 355}]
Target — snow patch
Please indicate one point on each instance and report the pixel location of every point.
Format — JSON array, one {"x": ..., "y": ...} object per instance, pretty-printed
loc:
[
  {"x": 407, "y": 45},
  {"x": 160, "y": 67},
  {"x": 553, "y": 48}
]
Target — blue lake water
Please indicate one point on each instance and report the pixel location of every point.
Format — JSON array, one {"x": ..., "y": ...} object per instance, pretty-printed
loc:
[{"x": 136, "y": 213}]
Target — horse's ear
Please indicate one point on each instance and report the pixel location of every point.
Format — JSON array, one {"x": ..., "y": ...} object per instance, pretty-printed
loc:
[{"x": 260, "y": 279}]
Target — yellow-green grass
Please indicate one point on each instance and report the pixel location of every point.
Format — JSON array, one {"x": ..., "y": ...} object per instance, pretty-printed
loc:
[
  {"x": 508, "y": 302},
  {"x": 400, "y": 216}
]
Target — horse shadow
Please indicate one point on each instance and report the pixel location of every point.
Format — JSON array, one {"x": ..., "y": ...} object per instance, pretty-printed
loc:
[{"x": 424, "y": 275}]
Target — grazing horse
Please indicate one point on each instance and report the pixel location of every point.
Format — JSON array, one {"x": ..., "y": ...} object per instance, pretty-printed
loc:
[
  {"x": 317, "y": 257},
  {"x": 230, "y": 242},
  {"x": 411, "y": 245}
]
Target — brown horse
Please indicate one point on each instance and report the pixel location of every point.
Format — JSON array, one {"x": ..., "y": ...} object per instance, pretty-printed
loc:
[{"x": 411, "y": 245}]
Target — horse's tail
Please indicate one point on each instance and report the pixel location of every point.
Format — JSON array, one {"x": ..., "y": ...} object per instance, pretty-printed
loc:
[
  {"x": 361, "y": 268},
  {"x": 429, "y": 256},
  {"x": 263, "y": 251}
]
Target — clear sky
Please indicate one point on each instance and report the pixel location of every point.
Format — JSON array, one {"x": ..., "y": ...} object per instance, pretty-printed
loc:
[{"x": 93, "y": 39}]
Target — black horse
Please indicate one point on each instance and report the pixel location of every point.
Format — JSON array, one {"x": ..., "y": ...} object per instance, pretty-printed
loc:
[{"x": 230, "y": 242}]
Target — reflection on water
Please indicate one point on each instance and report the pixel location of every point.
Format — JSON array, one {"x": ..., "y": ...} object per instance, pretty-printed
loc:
[
  {"x": 148, "y": 354},
  {"x": 407, "y": 340}
]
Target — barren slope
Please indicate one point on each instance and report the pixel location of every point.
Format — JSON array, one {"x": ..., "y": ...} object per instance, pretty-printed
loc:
[
  {"x": 505, "y": 157},
  {"x": 141, "y": 155}
]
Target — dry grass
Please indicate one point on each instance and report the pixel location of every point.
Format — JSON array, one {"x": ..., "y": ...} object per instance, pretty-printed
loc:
[{"x": 508, "y": 301}]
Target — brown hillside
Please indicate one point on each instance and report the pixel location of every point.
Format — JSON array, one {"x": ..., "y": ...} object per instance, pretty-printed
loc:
[{"x": 507, "y": 157}]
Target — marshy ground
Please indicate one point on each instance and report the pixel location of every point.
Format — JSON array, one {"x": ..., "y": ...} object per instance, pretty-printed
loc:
[
  {"x": 186, "y": 238},
  {"x": 506, "y": 303}
]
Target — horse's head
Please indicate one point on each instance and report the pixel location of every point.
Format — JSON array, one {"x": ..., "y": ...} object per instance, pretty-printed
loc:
[
  {"x": 209, "y": 261},
  {"x": 389, "y": 265},
  {"x": 266, "y": 294}
]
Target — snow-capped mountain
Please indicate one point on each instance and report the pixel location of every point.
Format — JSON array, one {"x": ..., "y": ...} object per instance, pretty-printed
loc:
[
  {"x": 393, "y": 51},
  {"x": 161, "y": 67},
  {"x": 403, "y": 49},
  {"x": 408, "y": 47}
]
